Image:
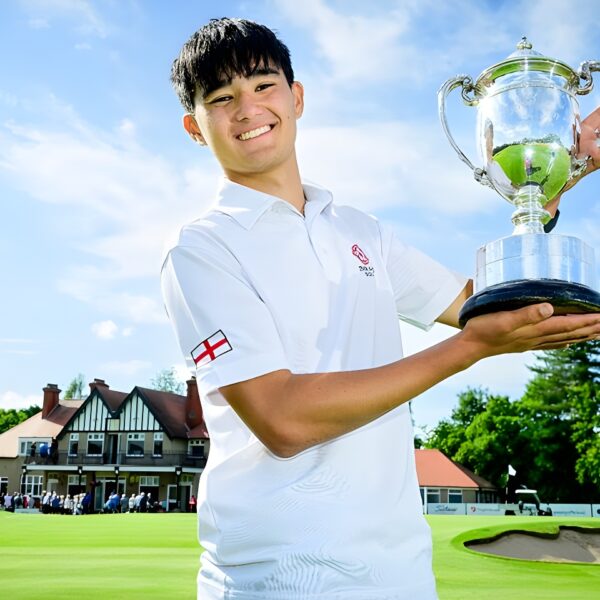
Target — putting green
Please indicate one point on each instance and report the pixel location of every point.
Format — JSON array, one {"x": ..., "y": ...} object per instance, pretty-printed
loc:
[
  {"x": 155, "y": 556},
  {"x": 464, "y": 574}
]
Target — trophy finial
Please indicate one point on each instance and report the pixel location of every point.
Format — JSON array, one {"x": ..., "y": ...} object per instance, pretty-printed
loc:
[{"x": 524, "y": 44}]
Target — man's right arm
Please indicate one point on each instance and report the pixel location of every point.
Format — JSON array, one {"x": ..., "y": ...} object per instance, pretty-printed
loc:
[{"x": 290, "y": 413}]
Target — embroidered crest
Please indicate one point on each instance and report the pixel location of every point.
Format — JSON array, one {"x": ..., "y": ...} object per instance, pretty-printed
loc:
[
  {"x": 360, "y": 254},
  {"x": 211, "y": 348}
]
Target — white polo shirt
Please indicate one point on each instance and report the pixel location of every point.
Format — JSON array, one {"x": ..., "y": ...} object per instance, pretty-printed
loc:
[{"x": 252, "y": 287}]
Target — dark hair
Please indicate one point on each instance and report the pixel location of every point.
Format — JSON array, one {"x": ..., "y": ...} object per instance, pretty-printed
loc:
[{"x": 222, "y": 49}]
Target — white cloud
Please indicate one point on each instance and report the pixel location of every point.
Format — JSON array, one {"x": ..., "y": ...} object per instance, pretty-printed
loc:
[
  {"x": 365, "y": 47},
  {"x": 38, "y": 23},
  {"x": 127, "y": 331},
  {"x": 130, "y": 199},
  {"x": 15, "y": 400},
  {"x": 105, "y": 330},
  {"x": 127, "y": 368},
  {"x": 83, "y": 46},
  {"x": 15, "y": 346},
  {"x": 82, "y": 14},
  {"x": 182, "y": 373},
  {"x": 391, "y": 164}
]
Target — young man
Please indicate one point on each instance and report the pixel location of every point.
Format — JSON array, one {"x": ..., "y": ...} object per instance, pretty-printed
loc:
[{"x": 286, "y": 305}]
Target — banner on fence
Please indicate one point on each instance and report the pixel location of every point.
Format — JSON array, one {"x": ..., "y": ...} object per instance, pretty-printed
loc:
[
  {"x": 595, "y": 510},
  {"x": 485, "y": 509},
  {"x": 450, "y": 508},
  {"x": 571, "y": 510}
]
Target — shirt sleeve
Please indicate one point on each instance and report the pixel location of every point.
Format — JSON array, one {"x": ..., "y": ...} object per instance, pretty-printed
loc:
[
  {"x": 423, "y": 288},
  {"x": 225, "y": 331}
]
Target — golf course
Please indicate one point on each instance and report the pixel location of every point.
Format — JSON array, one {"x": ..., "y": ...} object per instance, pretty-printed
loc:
[{"x": 155, "y": 556}]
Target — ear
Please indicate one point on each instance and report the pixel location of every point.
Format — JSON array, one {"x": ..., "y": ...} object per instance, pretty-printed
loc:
[
  {"x": 191, "y": 126},
  {"x": 298, "y": 92}
]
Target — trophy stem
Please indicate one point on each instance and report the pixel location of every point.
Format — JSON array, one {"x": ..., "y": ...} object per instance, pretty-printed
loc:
[{"x": 530, "y": 215}]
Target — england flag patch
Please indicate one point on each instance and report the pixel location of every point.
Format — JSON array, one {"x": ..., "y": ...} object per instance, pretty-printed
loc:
[{"x": 210, "y": 348}]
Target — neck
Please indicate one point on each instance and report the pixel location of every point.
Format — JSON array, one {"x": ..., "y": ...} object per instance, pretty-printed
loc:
[{"x": 284, "y": 183}]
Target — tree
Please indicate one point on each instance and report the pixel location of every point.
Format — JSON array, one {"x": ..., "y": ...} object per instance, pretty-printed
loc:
[
  {"x": 481, "y": 434},
  {"x": 9, "y": 417},
  {"x": 551, "y": 435},
  {"x": 561, "y": 407},
  {"x": 166, "y": 381},
  {"x": 75, "y": 388},
  {"x": 449, "y": 434}
]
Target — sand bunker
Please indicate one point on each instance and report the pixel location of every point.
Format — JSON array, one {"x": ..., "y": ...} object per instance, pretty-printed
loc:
[{"x": 570, "y": 544}]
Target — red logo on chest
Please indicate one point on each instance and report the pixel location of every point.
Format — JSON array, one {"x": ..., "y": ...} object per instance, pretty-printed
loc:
[{"x": 360, "y": 254}]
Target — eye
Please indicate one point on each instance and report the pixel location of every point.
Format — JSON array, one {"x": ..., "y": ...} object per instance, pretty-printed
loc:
[
  {"x": 264, "y": 86},
  {"x": 220, "y": 99}
]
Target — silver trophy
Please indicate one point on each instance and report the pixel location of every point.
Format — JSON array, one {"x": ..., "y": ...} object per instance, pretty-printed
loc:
[{"x": 528, "y": 128}]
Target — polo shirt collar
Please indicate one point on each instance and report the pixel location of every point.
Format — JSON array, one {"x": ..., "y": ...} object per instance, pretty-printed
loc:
[{"x": 247, "y": 206}]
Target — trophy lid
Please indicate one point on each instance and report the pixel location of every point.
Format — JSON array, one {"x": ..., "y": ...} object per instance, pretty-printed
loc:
[{"x": 526, "y": 63}]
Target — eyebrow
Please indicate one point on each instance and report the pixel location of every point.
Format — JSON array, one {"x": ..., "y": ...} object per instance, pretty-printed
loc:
[{"x": 261, "y": 71}]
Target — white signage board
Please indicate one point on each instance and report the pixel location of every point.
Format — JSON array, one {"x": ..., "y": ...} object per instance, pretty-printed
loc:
[
  {"x": 450, "y": 508},
  {"x": 596, "y": 510},
  {"x": 571, "y": 510},
  {"x": 485, "y": 509}
]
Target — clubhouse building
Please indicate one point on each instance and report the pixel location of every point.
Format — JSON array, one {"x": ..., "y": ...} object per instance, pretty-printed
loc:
[{"x": 142, "y": 441}]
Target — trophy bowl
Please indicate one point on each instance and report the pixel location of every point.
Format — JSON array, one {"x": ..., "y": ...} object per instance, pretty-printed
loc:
[{"x": 528, "y": 127}]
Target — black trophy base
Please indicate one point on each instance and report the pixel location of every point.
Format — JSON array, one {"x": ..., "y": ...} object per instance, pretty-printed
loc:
[{"x": 565, "y": 296}]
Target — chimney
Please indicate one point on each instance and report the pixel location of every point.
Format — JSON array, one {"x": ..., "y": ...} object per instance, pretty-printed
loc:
[
  {"x": 98, "y": 383},
  {"x": 51, "y": 394},
  {"x": 193, "y": 408}
]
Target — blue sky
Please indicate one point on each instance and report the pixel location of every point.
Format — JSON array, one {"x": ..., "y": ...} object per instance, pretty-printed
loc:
[{"x": 96, "y": 173}]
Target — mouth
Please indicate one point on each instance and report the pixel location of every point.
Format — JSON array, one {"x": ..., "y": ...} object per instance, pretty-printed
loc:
[{"x": 254, "y": 133}]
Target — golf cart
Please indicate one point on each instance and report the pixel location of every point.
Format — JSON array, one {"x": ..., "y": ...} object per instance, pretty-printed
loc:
[{"x": 527, "y": 502}]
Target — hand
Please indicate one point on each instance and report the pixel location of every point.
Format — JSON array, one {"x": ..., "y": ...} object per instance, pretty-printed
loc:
[
  {"x": 589, "y": 141},
  {"x": 589, "y": 147},
  {"x": 530, "y": 328}
]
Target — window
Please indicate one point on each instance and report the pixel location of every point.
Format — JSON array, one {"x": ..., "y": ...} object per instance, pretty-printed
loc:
[
  {"x": 455, "y": 496},
  {"x": 74, "y": 444},
  {"x": 73, "y": 486},
  {"x": 433, "y": 496},
  {"x": 25, "y": 445},
  {"x": 157, "y": 450},
  {"x": 146, "y": 481},
  {"x": 135, "y": 444},
  {"x": 95, "y": 445},
  {"x": 31, "y": 485},
  {"x": 196, "y": 448}
]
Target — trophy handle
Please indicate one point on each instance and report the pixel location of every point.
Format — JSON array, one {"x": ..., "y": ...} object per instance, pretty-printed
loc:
[
  {"x": 585, "y": 72},
  {"x": 466, "y": 83}
]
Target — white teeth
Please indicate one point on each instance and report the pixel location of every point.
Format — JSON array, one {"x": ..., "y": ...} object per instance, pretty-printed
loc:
[{"x": 248, "y": 135}]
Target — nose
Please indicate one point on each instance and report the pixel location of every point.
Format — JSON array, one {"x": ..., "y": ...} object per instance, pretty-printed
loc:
[{"x": 247, "y": 107}]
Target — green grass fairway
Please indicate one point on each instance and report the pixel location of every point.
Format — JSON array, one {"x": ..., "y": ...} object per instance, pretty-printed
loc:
[
  {"x": 155, "y": 557},
  {"x": 108, "y": 557}
]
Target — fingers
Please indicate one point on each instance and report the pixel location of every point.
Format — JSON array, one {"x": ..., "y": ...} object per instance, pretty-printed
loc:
[
  {"x": 568, "y": 330},
  {"x": 532, "y": 327},
  {"x": 529, "y": 315}
]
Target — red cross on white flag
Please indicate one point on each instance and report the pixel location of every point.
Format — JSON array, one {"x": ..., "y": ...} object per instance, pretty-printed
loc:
[{"x": 210, "y": 348}]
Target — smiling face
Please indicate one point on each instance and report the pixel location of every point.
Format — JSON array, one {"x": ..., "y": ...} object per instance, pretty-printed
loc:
[{"x": 249, "y": 123}]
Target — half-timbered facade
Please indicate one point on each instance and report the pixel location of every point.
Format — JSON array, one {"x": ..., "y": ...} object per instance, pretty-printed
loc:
[{"x": 142, "y": 441}]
